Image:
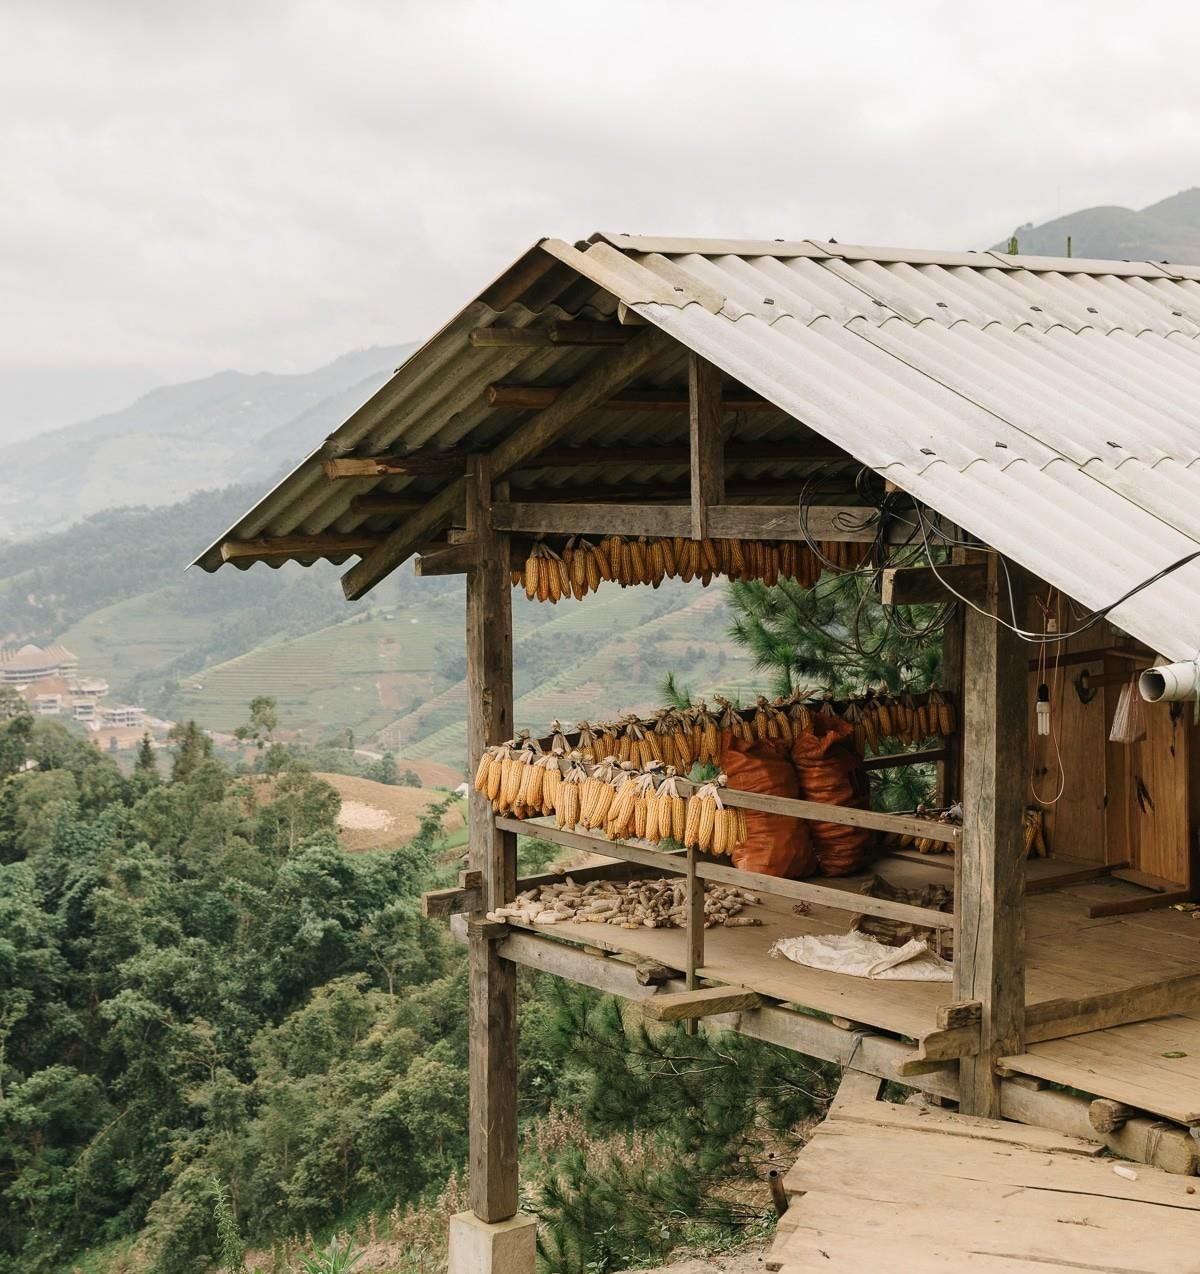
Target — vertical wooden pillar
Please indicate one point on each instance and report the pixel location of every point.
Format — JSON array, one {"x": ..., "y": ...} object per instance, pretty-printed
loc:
[
  {"x": 707, "y": 445},
  {"x": 493, "y": 981},
  {"x": 989, "y": 956},
  {"x": 949, "y": 770}
]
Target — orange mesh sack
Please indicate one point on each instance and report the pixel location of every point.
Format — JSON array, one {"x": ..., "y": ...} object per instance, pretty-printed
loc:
[
  {"x": 827, "y": 769},
  {"x": 775, "y": 844}
]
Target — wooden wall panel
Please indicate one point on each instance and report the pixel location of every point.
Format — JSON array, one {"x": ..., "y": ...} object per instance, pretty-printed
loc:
[{"x": 1076, "y": 824}]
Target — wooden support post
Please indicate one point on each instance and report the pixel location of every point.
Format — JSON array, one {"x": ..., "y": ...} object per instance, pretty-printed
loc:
[
  {"x": 493, "y": 853},
  {"x": 707, "y": 446},
  {"x": 949, "y": 769},
  {"x": 989, "y": 950},
  {"x": 695, "y": 928}
]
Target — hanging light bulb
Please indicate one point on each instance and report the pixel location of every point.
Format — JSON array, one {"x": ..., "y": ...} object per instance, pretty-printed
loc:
[{"x": 1043, "y": 709}]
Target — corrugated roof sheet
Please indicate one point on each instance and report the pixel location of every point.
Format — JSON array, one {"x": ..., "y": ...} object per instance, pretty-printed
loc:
[{"x": 1051, "y": 407}]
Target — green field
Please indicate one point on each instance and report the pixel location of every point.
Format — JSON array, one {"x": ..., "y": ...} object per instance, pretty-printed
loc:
[
  {"x": 329, "y": 680},
  {"x": 121, "y": 641}
]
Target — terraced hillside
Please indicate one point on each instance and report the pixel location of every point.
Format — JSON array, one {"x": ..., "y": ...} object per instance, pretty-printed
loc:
[
  {"x": 330, "y": 680},
  {"x": 618, "y": 650}
]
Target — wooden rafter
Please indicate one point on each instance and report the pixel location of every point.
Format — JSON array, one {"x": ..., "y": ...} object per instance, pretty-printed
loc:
[
  {"x": 607, "y": 374},
  {"x": 706, "y": 449},
  {"x": 666, "y": 400},
  {"x": 565, "y": 333},
  {"x": 426, "y": 462},
  {"x": 845, "y": 523},
  {"x": 285, "y": 546}
]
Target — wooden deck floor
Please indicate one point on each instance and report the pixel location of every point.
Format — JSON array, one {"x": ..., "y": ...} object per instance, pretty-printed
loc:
[
  {"x": 1068, "y": 954},
  {"x": 910, "y": 1189}
]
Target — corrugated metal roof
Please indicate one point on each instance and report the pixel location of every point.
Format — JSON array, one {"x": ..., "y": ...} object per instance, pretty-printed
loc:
[{"x": 1051, "y": 407}]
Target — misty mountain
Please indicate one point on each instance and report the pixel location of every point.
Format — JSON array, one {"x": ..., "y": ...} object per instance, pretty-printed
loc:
[
  {"x": 1165, "y": 231},
  {"x": 171, "y": 442}
]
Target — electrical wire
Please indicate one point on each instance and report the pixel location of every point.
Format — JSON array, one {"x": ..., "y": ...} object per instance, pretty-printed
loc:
[{"x": 1091, "y": 617}]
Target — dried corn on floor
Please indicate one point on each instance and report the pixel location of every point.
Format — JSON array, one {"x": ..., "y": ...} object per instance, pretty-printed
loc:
[{"x": 1068, "y": 954}]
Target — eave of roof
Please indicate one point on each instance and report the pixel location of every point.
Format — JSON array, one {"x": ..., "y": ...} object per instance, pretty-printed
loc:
[{"x": 1047, "y": 405}]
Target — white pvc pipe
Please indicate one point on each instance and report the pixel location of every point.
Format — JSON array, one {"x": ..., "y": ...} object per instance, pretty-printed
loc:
[{"x": 1168, "y": 682}]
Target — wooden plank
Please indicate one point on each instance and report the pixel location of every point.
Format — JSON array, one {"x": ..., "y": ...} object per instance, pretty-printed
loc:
[
  {"x": 589, "y": 844},
  {"x": 454, "y": 461},
  {"x": 1130, "y": 906},
  {"x": 640, "y": 400},
  {"x": 707, "y": 449},
  {"x": 922, "y": 585},
  {"x": 695, "y": 924},
  {"x": 966, "y": 1013},
  {"x": 827, "y": 896},
  {"x": 680, "y": 1006},
  {"x": 946, "y": 833},
  {"x": 569, "y": 332},
  {"x": 493, "y": 853},
  {"x": 989, "y": 964},
  {"x": 923, "y": 1119},
  {"x": 1055, "y": 1019},
  {"x": 932, "y": 1162},
  {"x": 451, "y": 902},
  {"x": 456, "y": 559},
  {"x": 283, "y": 546},
  {"x": 606, "y": 375},
  {"x": 893, "y": 760},
  {"x": 844, "y": 523}
]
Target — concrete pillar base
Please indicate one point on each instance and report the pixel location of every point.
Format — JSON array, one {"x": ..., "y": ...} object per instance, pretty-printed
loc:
[{"x": 505, "y": 1247}]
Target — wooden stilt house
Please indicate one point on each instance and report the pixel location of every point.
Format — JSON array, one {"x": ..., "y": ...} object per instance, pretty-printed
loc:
[{"x": 1030, "y": 429}]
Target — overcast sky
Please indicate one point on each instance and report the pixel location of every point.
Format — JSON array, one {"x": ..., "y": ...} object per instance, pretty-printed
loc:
[{"x": 264, "y": 185}]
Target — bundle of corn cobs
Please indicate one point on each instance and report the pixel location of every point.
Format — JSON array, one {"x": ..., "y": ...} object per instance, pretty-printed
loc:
[
  {"x": 579, "y": 567},
  {"x": 622, "y": 798},
  {"x": 925, "y": 844},
  {"x": 631, "y": 904},
  {"x": 683, "y": 737}
]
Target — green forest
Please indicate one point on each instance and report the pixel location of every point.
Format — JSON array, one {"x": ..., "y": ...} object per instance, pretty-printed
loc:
[{"x": 222, "y": 1039}]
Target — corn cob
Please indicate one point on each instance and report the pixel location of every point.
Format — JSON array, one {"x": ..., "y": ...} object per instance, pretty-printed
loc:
[
  {"x": 484, "y": 768},
  {"x": 587, "y": 742},
  {"x": 551, "y": 781},
  {"x": 567, "y": 801}
]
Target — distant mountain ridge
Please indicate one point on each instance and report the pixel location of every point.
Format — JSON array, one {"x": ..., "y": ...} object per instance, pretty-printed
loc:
[
  {"x": 1165, "y": 231},
  {"x": 174, "y": 441}
]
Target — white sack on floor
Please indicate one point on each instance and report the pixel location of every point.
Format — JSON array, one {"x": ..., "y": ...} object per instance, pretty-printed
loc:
[{"x": 862, "y": 956}]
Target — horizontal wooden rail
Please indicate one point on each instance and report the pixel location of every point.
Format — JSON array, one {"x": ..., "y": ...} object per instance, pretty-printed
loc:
[
  {"x": 847, "y": 523},
  {"x": 893, "y": 760},
  {"x": 825, "y": 896},
  {"x": 820, "y": 812},
  {"x": 454, "y": 460},
  {"x": 675, "y": 863},
  {"x": 586, "y": 843}
]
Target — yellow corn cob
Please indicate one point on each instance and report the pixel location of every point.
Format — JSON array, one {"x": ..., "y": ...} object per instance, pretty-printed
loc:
[
  {"x": 481, "y": 773},
  {"x": 531, "y": 575},
  {"x": 668, "y": 555},
  {"x": 551, "y": 782},
  {"x": 691, "y": 833}
]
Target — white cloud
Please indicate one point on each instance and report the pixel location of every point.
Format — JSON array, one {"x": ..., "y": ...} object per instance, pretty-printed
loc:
[{"x": 269, "y": 184}]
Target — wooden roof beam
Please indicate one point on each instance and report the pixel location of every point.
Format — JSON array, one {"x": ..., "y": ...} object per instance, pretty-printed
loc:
[
  {"x": 668, "y": 400},
  {"x": 282, "y": 547},
  {"x": 565, "y": 333},
  {"x": 424, "y": 462},
  {"x": 608, "y": 373},
  {"x": 846, "y": 523}
]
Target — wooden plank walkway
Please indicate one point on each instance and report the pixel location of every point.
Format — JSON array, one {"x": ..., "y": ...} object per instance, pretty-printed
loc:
[
  {"x": 1152, "y": 1065},
  {"x": 911, "y": 1189}
]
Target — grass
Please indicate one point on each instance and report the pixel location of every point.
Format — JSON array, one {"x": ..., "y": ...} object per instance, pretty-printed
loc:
[{"x": 328, "y": 680}]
